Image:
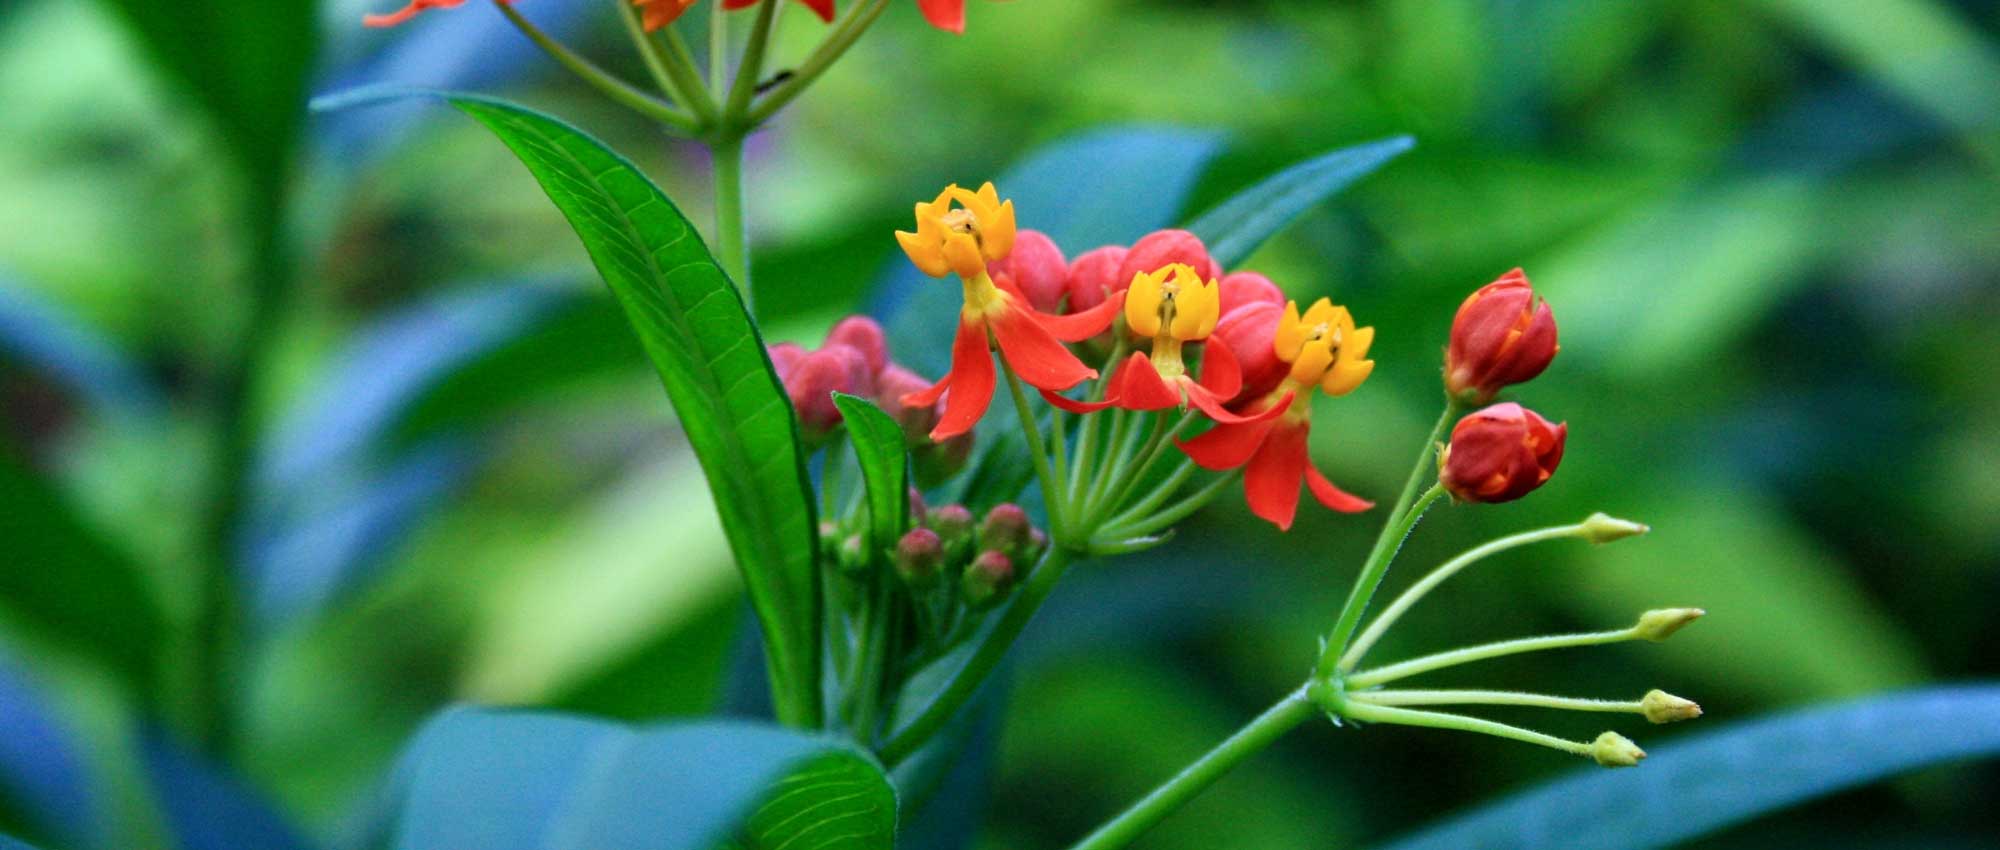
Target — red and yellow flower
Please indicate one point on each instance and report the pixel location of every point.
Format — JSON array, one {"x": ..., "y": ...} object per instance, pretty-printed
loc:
[
  {"x": 654, "y": 14},
  {"x": 1172, "y": 306},
  {"x": 960, "y": 233},
  {"x": 1323, "y": 349}
]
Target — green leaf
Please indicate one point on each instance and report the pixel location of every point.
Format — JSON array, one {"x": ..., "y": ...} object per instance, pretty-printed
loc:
[
  {"x": 65, "y": 582},
  {"x": 248, "y": 66},
  {"x": 1721, "y": 778},
  {"x": 501, "y": 780},
  {"x": 1236, "y": 227},
  {"x": 878, "y": 444},
  {"x": 693, "y": 326}
]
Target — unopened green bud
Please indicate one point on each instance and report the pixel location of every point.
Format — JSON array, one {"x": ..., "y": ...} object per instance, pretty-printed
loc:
[
  {"x": 952, "y": 523},
  {"x": 853, "y": 553},
  {"x": 1614, "y": 750},
  {"x": 918, "y": 556},
  {"x": 1659, "y": 624},
  {"x": 987, "y": 578},
  {"x": 1601, "y": 527},
  {"x": 1662, "y": 707},
  {"x": 1005, "y": 529}
]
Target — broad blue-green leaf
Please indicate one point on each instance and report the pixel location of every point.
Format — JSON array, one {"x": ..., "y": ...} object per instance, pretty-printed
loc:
[
  {"x": 878, "y": 444},
  {"x": 54, "y": 343},
  {"x": 1235, "y": 227},
  {"x": 1727, "y": 776},
  {"x": 7, "y": 843},
  {"x": 43, "y": 781},
  {"x": 694, "y": 328},
  {"x": 65, "y": 581},
  {"x": 500, "y": 780},
  {"x": 208, "y": 808}
]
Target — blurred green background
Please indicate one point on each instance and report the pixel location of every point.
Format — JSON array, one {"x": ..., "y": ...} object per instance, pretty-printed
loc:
[{"x": 1770, "y": 232}]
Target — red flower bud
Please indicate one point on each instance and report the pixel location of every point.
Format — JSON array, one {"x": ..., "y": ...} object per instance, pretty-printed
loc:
[
  {"x": 1094, "y": 276},
  {"x": 1162, "y": 248},
  {"x": 784, "y": 356},
  {"x": 1502, "y": 335},
  {"x": 953, "y": 523},
  {"x": 1037, "y": 266},
  {"x": 863, "y": 335},
  {"x": 891, "y": 386},
  {"x": 1241, "y": 288},
  {"x": 1250, "y": 331},
  {"x": 987, "y": 578},
  {"x": 918, "y": 556},
  {"x": 1005, "y": 529},
  {"x": 816, "y": 376},
  {"x": 1500, "y": 453}
]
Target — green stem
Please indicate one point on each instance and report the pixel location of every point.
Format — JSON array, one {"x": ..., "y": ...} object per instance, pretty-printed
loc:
[
  {"x": 1372, "y": 713},
  {"x": 649, "y": 51},
  {"x": 1051, "y": 494},
  {"x": 687, "y": 76},
  {"x": 1291, "y": 711},
  {"x": 751, "y": 68},
  {"x": 1394, "y": 531},
  {"x": 1154, "y": 499},
  {"x": 845, "y": 32},
  {"x": 990, "y": 644},
  {"x": 1148, "y": 454},
  {"x": 718, "y": 52},
  {"x": 1467, "y": 655},
  {"x": 1438, "y": 576},
  {"x": 618, "y": 90},
  {"x": 1174, "y": 513},
  {"x": 1475, "y": 697},
  {"x": 731, "y": 243}
]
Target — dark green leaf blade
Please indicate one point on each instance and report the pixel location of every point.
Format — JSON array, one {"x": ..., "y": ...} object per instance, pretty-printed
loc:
[
  {"x": 502, "y": 780},
  {"x": 878, "y": 443},
  {"x": 1731, "y": 775},
  {"x": 693, "y": 326},
  {"x": 65, "y": 581},
  {"x": 1236, "y": 227}
]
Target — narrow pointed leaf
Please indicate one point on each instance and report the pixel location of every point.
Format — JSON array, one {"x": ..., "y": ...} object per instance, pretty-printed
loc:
[
  {"x": 693, "y": 326},
  {"x": 878, "y": 443},
  {"x": 1236, "y": 227}
]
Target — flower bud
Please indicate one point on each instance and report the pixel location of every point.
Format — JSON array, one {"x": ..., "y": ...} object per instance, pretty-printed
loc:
[
  {"x": 936, "y": 463},
  {"x": 918, "y": 555},
  {"x": 1250, "y": 331},
  {"x": 1502, "y": 335},
  {"x": 853, "y": 554},
  {"x": 917, "y": 509},
  {"x": 1659, "y": 624},
  {"x": 953, "y": 524},
  {"x": 1500, "y": 454},
  {"x": 1005, "y": 529},
  {"x": 1094, "y": 276},
  {"x": 1163, "y": 248},
  {"x": 986, "y": 579},
  {"x": 1241, "y": 288},
  {"x": 813, "y": 380},
  {"x": 1037, "y": 267},
  {"x": 1601, "y": 527},
  {"x": 891, "y": 386},
  {"x": 1662, "y": 707},
  {"x": 1614, "y": 750},
  {"x": 863, "y": 335},
  {"x": 785, "y": 356}
]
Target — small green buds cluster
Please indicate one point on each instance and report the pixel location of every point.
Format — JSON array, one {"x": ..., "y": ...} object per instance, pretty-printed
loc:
[{"x": 985, "y": 557}]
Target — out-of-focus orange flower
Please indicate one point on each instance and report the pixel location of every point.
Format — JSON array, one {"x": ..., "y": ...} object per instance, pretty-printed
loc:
[
  {"x": 1322, "y": 348},
  {"x": 961, "y": 232},
  {"x": 654, "y": 14},
  {"x": 1500, "y": 454},
  {"x": 1502, "y": 335},
  {"x": 947, "y": 15},
  {"x": 1173, "y": 306}
]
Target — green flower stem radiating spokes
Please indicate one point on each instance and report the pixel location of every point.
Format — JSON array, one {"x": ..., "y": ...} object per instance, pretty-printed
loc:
[
  {"x": 1467, "y": 655},
  {"x": 1294, "y": 709},
  {"x": 1401, "y": 521},
  {"x": 1479, "y": 697},
  {"x": 845, "y": 32},
  {"x": 1438, "y": 576},
  {"x": 625, "y": 94}
]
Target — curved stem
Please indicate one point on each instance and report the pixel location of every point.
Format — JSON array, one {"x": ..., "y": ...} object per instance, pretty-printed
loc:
[
  {"x": 751, "y": 68},
  {"x": 681, "y": 67},
  {"x": 844, "y": 34},
  {"x": 1394, "y": 531},
  {"x": 649, "y": 51},
  {"x": 1291, "y": 711},
  {"x": 990, "y": 644},
  {"x": 1154, "y": 499},
  {"x": 1372, "y": 713},
  {"x": 1438, "y": 576},
  {"x": 618, "y": 90},
  {"x": 1174, "y": 513},
  {"x": 1467, "y": 655},
  {"x": 1476, "y": 697},
  {"x": 1051, "y": 494}
]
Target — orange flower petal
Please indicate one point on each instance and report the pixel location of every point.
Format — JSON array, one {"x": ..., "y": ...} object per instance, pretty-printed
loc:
[
  {"x": 947, "y": 15},
  {"x": 407, "y": 12},
  {"x": 1331, "y": 496},
  {"x": 971, "y": 379},
  {"x": 1032, "y": 352},
  {"x": 1219, "y": 373},
  {"x": 1143, "y": 388},
  {"x": 1227, "y": 446},
  {"x": 1271, "y": 481},
  {"x": 1209, "y": 404}
]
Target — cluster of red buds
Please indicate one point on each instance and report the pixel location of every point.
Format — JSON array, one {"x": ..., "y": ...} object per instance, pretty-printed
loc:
[
  {"x": 982, "y": 560},
  {"x": 854, "y": 359},
  {"x": 1503, "y": 335}
]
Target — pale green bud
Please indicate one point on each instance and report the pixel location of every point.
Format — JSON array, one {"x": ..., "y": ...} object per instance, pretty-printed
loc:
[
  {"x": 1614, "y": 750},
  {"x": 1601, "y": 527},
  {"x": 1659, "y": 624},
  {"x": 1662, "y": 707}
]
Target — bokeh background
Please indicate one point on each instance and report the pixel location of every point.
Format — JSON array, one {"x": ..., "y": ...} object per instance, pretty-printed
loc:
[{"x": 1770, "y": 232}]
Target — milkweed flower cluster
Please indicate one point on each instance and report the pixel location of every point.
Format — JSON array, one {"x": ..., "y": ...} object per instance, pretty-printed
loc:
[{"x": 947, "y": 15}]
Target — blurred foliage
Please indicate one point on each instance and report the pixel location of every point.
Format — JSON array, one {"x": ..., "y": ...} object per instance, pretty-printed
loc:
[{"x": 1767, "y": 230}]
